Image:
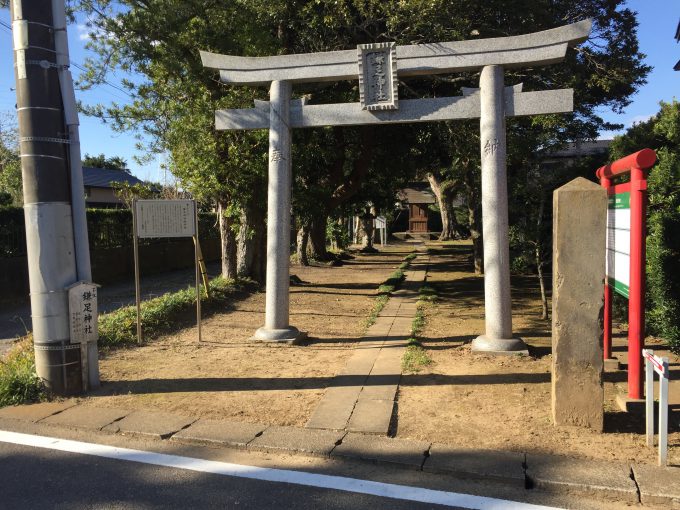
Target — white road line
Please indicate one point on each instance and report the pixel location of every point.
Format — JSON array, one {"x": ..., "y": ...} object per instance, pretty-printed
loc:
[{"x": 386, "y": 490}]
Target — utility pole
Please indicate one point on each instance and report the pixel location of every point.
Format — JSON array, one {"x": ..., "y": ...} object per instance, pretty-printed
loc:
[{"x": 46, "y": 137}]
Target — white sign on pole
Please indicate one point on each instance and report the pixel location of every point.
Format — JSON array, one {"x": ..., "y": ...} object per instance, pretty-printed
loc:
[
  {"x": 618, "y": 243},
  {"x": 83, "y": 312},
  {"x": 165, "y": 218},
  {"x": 381, "y": 225},
  {"x": 659, "y": 365}
]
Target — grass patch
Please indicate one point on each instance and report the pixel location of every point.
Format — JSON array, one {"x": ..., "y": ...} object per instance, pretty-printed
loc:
[
  {"x": 19, "y": 384},
  {"x": 160, "y": 315},
  {"x": 416, "y": 356},
  {"x": 386, "y": 288}
]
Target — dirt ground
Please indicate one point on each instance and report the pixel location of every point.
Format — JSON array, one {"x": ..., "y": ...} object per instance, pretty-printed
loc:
[
  {"x": 505, "y": 402},
  {"x": 227, "y": 376},
  {"x": 461, "y": 399}
]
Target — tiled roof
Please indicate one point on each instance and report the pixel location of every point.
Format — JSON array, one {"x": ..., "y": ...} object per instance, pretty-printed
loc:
[
  {"x": 103, "y": 177},
  {"x": 417, "y": 193}
]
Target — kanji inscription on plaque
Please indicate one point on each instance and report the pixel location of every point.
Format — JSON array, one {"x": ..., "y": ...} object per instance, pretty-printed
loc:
[
  {"x": 378, "y": 76},
  {"x": 83, "y": 312}
]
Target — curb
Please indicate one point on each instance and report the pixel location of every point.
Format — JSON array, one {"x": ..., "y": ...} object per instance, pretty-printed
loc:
[{"x": 636, "y": 484}]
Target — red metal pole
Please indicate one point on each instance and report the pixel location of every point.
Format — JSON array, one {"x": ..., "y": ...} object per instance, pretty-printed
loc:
[
  {"x": 636, "y": 316},
  {"x": 607, "y": 341}
]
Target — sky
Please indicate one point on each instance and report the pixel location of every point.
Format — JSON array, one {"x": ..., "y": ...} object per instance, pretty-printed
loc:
[{"x": 658, "y": 20}]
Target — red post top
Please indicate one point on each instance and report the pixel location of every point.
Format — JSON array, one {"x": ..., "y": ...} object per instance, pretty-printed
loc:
[{"x": 641, "y": 159}]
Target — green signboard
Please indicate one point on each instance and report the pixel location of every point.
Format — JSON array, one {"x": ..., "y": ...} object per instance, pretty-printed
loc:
[{"x": 618, "y": 243}]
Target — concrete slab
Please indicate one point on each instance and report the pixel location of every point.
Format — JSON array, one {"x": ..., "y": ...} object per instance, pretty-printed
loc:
[
  {"x": 630, "y": 405},
  {"x": 35, "y": 412},
  {"x": 658, "y": 486},
  {"x": 86, "y": 417},
  {"x": 581, "y": 476},
  {"x": 219, "y": 432},
  {"x": 612, "y": 365},
  {"x": 293, "y": 439},
  {"x": 399, "y": 452},
  {"x": 335, "y": 408},
  {"x": 147, "y": 423},
  {"x": 379, "y": 391},
  {"x": 371, "y": 417},
  {"x": 504, "y": 467}
]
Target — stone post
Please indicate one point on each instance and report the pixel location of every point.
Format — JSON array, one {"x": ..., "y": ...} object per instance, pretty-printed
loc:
[
  {"x": 276, "y": 326},
  {"x": 497, "y": 305},
  {"x": 579, "y": 230}
]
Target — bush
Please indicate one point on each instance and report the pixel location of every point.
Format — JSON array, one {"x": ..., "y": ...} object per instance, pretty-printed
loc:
[
  {"x": 160, "y": 315},
  {"x": 19, "y": 384}
]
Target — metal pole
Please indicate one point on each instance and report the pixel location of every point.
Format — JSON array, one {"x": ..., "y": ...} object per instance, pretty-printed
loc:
[
  {"x": 135, "y": 244},
  {"x": 649, "y": 400},
  {"x": 276, "y": 323},
  {"x": 497, "y": 304},
  {"x": 663, "y": 414},
  {"x": 198, "y": 275},
  {"x": 636, "y": 315},
  {"x": 47, "y": 193}
]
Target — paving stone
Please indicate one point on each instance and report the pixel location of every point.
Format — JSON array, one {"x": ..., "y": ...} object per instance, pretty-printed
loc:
[
  {"x": 658, "y": 486},
  {"x": 147, "y": 423},
  {"x": 379, "y": 391},
  {"x": 506, "y": 467},
  {"x": 388, "y": 362},
  {"x": 371, "y": 416},
  {"x": 361, "y": 362},
  {"x": 404, "y": 453},
  {"x": 335, "y": 408},
  {"x": 220, "y": 432},
  {"x": 293, "y": 439},
  {"x": 582, "y": 476},
  {"x": 86, "y": 417},
  {"x": 35, "y": 412}
]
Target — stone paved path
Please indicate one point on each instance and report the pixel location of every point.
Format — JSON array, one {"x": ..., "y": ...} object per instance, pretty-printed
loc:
[{"x": 361, "y": 397}]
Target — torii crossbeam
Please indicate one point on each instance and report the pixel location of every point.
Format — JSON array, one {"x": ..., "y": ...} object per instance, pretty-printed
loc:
[{"x": 378, "y": 68}]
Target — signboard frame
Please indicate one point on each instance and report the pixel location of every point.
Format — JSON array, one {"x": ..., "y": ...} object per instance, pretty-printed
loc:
[
  {"x": 154, "y": 224},
  {"x": 635, "y": 166}
]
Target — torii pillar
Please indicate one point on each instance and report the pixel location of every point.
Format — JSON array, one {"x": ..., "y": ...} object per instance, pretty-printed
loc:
[
  {"x": 498, "y": 307},
  {"x": 279, "y": 188}
]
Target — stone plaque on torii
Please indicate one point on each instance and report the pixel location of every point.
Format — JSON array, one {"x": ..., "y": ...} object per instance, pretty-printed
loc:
[{"x": 378, "y": 68}]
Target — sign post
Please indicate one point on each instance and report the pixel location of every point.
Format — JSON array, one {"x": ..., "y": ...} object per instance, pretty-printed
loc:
[
  {"x": 83, "y": 323},
  {"x": 625, "y": 263},
  {"x": 660, "y": 366},
  {"x": 165, "y": 218},
  {"x": 381, "y": 225}
]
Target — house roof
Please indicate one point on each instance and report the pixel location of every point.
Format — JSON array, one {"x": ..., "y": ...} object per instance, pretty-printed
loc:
[
  {"x": 417, "y": 193},
  {"x": 576, "y": 150},
  {"x": 103, "y": 177}
]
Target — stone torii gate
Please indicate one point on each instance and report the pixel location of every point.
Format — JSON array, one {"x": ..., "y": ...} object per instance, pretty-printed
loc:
[{"x": 378, "y": 68}]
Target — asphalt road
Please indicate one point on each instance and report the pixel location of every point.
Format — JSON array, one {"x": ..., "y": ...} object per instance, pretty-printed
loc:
[{"x": 38, "y": 478}]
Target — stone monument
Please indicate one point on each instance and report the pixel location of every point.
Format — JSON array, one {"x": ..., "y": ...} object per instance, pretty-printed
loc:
[{"x": 579, "y": 230}]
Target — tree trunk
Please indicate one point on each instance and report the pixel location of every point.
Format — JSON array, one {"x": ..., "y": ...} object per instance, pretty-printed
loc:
[
  {"x": 445, "y": 196},
  {"x": 368, "y": 231},
  {"x": 474, "y": 218},
  {"x": 317, "y": 239},
  {"x": 228, "y": 241},
  {"x": 539, "y": 259},
  {"x": 302, "y": 238},
  {"x": 249, "y": 243},
  {"x": 337, "y": 234},
  {"x": 541, "y": 282}
]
